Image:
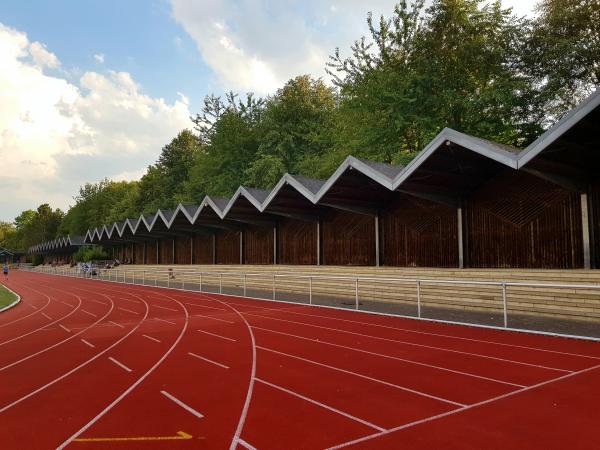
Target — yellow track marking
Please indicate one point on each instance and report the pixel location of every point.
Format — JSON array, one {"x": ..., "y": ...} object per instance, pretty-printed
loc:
[{"x": 181, "y": 435}]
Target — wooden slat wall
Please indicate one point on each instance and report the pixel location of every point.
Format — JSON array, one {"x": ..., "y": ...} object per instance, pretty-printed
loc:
[
  {"x": 139, "y": 253},
  {"x": 151, "y": 253},
  {"x": 166, "y": 251},
  {"x": 258, "y": 245},
  {"x": 517, "y": 220},
  {"x": 348, "y": 239},
  {"x": 228, "y": 247},
  {"x": 297, "y": 242},
  {"x": 418, "y": 233},
  {"x": 595, "y": 231},
  {"x": 203, "y": 249},
  {"x": 183, "y": 250}
]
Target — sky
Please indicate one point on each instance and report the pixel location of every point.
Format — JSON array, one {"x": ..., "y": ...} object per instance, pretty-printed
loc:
[{"x": 94, "y": 89}]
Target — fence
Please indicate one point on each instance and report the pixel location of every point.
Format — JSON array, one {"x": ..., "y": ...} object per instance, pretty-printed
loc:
[{"x": 560, "y": 309}]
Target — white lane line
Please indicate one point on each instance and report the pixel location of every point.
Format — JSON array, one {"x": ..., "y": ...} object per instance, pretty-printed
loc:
[
  {"x": 65, "y": 303},
  {"x": 449, "y": 336},
  {"x": 365, "y": 377},
  {"x": 217, "y": 335},
  {"x": 205, "y": 306},
  {"x": 414, "y": 344},
  {"x": 64, "y": 328},
  {"x": 117, "y": 324},
  {"x": 183, "y": 405},
  {"x": 128, "y": 310},
  {"x": 150, "y": 337},
  {"x": 46, "y": 316},
  {"x": 120, "y": 364},
  {"x": 211, "y": 317},
  {"x": 98, "y": 301},
  {"x": 322, "y": 405},
  {"x": 32, "y": 305},
  {"x": 165, "y": 320},
  {"x": 88, "y": 313},
  {"x": 244, "y": 444},
  {"x": 164, "y": 307},
  {"x": 449, "y": 413},
  {"x": 409, "y": 361},
  {"x": 208, "y": 360},
  {"x": 130, "y": 300},
  {"x": 89, "y": 344}
]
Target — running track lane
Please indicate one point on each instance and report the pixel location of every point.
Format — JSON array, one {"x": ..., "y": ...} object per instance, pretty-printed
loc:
[{"x": 347, "y": 379}]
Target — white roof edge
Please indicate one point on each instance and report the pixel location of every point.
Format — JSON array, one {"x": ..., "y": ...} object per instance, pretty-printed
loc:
[
  {"x": 560, "y": 128},
  {"x": 242, "y": 191},
  {"x": 288, "y": 179}
]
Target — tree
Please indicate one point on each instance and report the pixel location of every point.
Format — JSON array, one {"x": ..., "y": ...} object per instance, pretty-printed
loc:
[{"x": 563, "y": 52}]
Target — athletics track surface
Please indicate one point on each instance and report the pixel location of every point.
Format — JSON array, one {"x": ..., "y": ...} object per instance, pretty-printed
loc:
[{"x": 94, "y": 365}]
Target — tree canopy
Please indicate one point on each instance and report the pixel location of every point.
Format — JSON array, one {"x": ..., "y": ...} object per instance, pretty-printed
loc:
[{"x": 466, "y": 64}]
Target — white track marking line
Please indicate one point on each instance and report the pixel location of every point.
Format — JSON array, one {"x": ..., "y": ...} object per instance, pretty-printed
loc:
[
  {"x": 183, "y": 405},
  {"x": 97, "y": 301},
  {"x": 244, "y": 444},
  {"x": 64, "y": 328},
  {"x": 88, "y": 313},
  {"x": 474, "y": 405},
  {"x": 407, "y": 330},
  {"x": 322, "y": 405},
  {"x": 164, "y": 307},
  {"x": 244, "y": 414},
  {"x": 128, "y": 310},
  {"x": 150, "y": 337},
  {"x": 211, "y": 317},
  {"x": 117, "y": 324},
  {"x": 89, "y": 344},
  {"x": 135, "y": 384},
  {"x": 130, "y": 300},
  {"x": 85, "y": 363},
  {"x": 205, "y": 306},
  {"x": 165, "y": 320},
  {"x": 208, "y": 360},
  {"x": 366, "y": 377},
  {"x": 217, "y": 335},
  {"x": 444, "y": 369},
  {"x": 120, "y": 364},
  {"x": 33, "y": 306},
  {"x": 65, "y": 303},
  {"x": 414, "y": 344},
  {"x": 46, "y": 316}
]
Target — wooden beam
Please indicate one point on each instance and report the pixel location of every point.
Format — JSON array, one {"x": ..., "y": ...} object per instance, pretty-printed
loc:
[
  {"x": 173, "y": 255},
  {"x": 241, "y": 246},
  {"x": 377, "y": 239},
  {"x": 319, "y": 242},
  {"x": 459, "y": 223},
  {"x": 214, "y": 248},
  {"x": 275, "y": 244},
  {"x": 192, "y": 249}
]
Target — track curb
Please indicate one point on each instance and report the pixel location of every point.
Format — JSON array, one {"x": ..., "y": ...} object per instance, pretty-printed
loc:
[{"x": 15, "y": 303}]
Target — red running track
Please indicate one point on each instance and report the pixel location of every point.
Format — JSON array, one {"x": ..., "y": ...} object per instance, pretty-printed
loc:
[{"x": 94, "y": 365}]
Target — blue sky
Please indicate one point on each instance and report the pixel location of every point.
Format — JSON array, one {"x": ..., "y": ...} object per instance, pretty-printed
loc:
[{"x": 94, "y": 89}]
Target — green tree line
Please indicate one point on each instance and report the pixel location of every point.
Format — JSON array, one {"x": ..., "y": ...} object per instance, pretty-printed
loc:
[{"x": 466, "y": 64}]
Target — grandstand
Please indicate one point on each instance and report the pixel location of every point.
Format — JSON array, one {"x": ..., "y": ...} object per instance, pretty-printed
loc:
[{"x": 464, "y": 209}]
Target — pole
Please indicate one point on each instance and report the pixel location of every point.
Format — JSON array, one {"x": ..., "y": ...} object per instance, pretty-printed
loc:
[
  {"x": 419, "y": 298},
  {"x": 504, "y": 305}
]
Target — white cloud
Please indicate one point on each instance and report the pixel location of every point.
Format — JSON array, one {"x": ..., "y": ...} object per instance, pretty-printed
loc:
[
  {"x": 55, "y": 135},
  {"x": 99, "y": 57},
  {"x": 257, "y": 45}
]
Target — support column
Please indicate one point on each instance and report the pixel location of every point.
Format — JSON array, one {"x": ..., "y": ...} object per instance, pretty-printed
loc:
[
  {"x": 173, "y": 253},
  {"x": 241, "y": 246},
  {"x": 585, "y": 228},
  {"x": 319, "y": 242},
  {"x": 157, "y": 251},
  {"x": 145, "y": 257},
  {"x": 275, "y": 244},
  {"x": 192, "y": 249},
  {"x": 377, "y": 239},
  {"x": 214, "y": 248},
  {"x": 459, "y": 222}
]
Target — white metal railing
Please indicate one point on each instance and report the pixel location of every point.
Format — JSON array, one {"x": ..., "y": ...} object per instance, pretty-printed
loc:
[{"x": 269, "y": 289}]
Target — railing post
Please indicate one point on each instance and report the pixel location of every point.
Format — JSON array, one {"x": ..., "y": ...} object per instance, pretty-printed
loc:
[
  {"x": 133, "y": 277},
  {"x": 504, "y": 305},
  {"x": 220, "y": 283},
  {"x": 273, "y": 287},
  {"x": 419, "y": 298},
  {"x": 155, "y": 281},
  {"x": 244, "y": 285},
  {"x": 200, "y": 281},
  {"x": 168, "y": 280},
  {"x": 356, "y": 292},
  {"x": 310, "y": 290},
  {"x": 144, "y": 277}
]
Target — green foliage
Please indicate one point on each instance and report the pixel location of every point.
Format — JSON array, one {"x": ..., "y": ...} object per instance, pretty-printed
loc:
[
  {"x": 466, "y": 64},
  {"x": 87, "y": 254}
]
